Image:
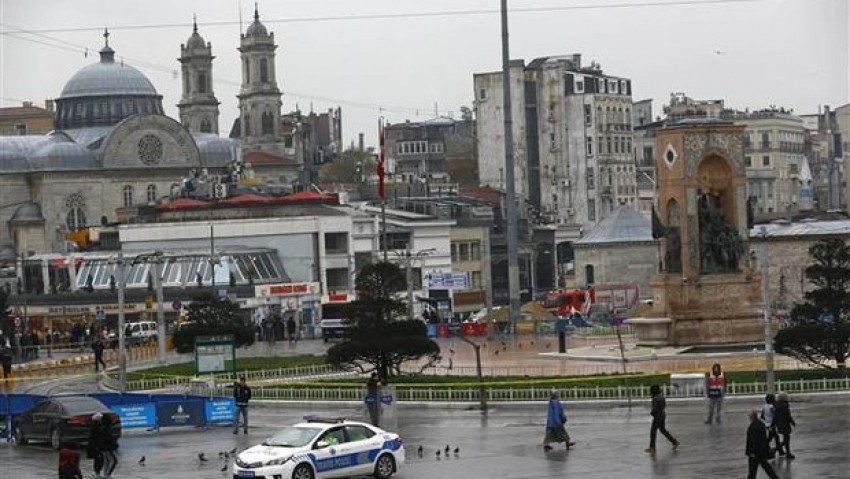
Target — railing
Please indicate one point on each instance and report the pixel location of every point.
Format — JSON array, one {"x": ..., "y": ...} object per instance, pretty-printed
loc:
[
  {"x": 471, "y": 394},
  {"x": 301, "y": 373}
]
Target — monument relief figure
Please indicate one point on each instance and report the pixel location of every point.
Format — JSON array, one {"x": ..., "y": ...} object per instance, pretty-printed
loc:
[{"x": 720, "y": 245}]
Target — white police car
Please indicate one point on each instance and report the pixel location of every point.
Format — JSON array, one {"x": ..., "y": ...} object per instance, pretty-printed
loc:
[{"x": 322, "y": 448}]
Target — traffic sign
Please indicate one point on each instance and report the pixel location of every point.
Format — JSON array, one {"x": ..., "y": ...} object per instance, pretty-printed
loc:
[
  {"x": 176, "y": 305},
  {"x": 100, "y": 314}
]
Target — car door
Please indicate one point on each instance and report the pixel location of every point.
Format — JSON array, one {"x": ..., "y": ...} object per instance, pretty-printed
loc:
[
  {"x": 333, "y": 459},
  {"x": 40, "y": 416},
  {"x": 364, "y": 445}
]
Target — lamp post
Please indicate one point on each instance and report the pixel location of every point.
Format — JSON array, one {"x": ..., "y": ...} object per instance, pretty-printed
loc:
[
  {"x": 122, "y": 344},
  {"x": 156, "y": 260},
  {"x": 765, "y": 293},
  {"x": 408, "y": 260}
]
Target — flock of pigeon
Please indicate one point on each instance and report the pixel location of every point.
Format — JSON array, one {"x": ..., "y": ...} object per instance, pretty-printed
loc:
[
  {"x": 519, "y": 346},
  {"x": 445, "y": 452}
]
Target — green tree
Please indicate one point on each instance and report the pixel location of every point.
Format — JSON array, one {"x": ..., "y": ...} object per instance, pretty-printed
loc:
[
  {"x": 210, "y": 316},
  {"x": 380, "y": 336},
  {"x": 820, "y": 325},
  {"x": 352, "y": 166}
]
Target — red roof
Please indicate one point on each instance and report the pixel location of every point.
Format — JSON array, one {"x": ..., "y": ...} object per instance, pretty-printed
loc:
[
  {"x": 308, "y": 196},
  {"x": 181, "y": 204},
  {"x": 263, "y": 158},
  {"x": 247, "y": 199}
]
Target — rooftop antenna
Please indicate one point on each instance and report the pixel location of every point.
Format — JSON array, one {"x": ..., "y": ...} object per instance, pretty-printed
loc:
[{"x": 240, "y": 17}]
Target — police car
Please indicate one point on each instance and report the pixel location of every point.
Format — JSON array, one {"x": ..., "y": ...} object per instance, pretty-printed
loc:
[{"x": 320, "y": 448}]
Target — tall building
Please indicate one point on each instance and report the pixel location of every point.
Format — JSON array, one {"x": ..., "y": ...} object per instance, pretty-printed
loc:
[
  {"x": 828, "y": 150},
  {"x": 645, "y": 132},
  {"x": 424, "y": 151},
  {"x": 573, "y": 140},
  {"x": 198, "y": 106},
  {"x": 259, "y": 96}
]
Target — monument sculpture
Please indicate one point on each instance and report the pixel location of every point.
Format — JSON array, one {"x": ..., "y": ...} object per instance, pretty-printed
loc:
[{"x": 706, "y": 292}]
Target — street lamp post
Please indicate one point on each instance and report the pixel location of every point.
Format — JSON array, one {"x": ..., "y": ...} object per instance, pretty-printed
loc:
[
  {"x": 408, "y": 270},
  {"x": 122, "y": 344},
  {"x": 768, "y": 335}
]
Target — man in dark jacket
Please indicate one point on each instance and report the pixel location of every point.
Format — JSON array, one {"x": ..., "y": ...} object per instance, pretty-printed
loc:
[
  {"x": 659, "y": 419},
  {"x": 758, "y": 449},
  {"x": 242, "y": 394}
]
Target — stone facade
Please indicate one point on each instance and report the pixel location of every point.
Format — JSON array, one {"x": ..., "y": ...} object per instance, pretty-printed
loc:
[{"x": 625, "y": 263}]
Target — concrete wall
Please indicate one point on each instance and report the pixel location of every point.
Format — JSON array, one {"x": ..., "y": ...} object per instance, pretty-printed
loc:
[{"x": 618, "y": 264}]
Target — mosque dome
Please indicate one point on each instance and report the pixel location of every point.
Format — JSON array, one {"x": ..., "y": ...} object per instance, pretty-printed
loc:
[
  {"x": 29, "y": 211},
  {"x": 104, "y": 93},
  {"x": 61, "y": 153},
  {"x": 196, "y": 40}
]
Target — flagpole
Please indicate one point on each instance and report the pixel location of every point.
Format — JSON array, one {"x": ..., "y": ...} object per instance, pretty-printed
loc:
[{"x": 381, "y": 187}]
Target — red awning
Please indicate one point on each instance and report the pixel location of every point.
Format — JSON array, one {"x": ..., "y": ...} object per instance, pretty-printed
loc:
[
  {"x": 311, "y": 197},
  {"x": 247, "y": 199},
  {"x": 182, "y": 204}
]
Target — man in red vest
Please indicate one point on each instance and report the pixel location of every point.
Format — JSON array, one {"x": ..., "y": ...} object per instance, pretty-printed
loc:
[{"x": 715, "y": 386}]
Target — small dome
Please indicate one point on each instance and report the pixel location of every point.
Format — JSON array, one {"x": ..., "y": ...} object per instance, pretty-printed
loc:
[
  {"x": 256, "y": 29},
  {"x": 216, "y": 152},
  {"x": 108, "y": 78},
  {"x": 62, "y": 153},
  {"x": 7, "y": 254},
  {"x": 29, "y": 211},
  {"x": 196, "y": 40}
]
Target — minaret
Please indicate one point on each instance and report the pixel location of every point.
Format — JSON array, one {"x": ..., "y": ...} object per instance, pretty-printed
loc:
[
  {"x": 198, "y": 106},
  {"x": 259, "y": 97}
]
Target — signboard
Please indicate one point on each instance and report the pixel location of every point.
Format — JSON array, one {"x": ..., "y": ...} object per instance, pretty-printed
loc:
[
  {"x": 180, "y": 413},
  {"x": 286, "y": 289},
  {"x": 437, "y": 280},
  {"x": 99, "y": 314},
  {"x": 337, "y": 297},
  {"x": 213, "y": 353},
  {"x": 220, "y": 410},
  {"x": 176, "y": 305},
  {"x": 136, "y": 415}
]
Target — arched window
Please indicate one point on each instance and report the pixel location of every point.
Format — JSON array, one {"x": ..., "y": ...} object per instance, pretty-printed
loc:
[
  {"x": 186, "y": 88},
  {"x": 128, "y": 195},
  {"x": 205, "y": 126},
  {"x": 202, "y": 82},
  {"x": 151, "y": 193},
  {"x": 268, "y": 123},
  {"x": 264, "y": 70},
  {"x": 76, "y": 219},
  {"x": 247, "y": 71},
  {"x": 247, "y": 122}
]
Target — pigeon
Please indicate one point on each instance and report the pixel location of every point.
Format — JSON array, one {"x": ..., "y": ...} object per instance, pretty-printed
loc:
[
  {"x": 201, "y": 457},
  {"x": 438, "y": 453},
  {"x": 233, "y": 451},
  {"x": 457, "y": 451},
  {"x": 222, "y": 454},
  {"x": 142, "y": 461},
  {"x": 448, "y": 449},
  {"x": 496, "y": 352},
  {"x": 224, "y": 467},
  {"x": 420, "y": 451}
]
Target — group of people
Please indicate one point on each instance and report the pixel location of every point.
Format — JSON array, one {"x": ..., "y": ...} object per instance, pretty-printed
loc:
[
  {"x": 774, "y": 423},
  {"x": 273, "y": 327},
  {"x": 101, "y": 448}
]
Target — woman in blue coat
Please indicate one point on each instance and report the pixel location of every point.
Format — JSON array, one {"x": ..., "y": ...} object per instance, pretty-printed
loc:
[{"x": 555, "y": 420}]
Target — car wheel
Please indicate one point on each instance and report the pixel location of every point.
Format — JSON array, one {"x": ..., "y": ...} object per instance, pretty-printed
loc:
[
  {"x": 19, "y": 437},
  {"x": 56, "y": 439},
  {"x": 384, "y": 466},
  {"x": 303, "y": 471}
]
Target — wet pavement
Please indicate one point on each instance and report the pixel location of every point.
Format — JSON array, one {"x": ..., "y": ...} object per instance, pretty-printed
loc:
[{"x": 506, "y": 443}]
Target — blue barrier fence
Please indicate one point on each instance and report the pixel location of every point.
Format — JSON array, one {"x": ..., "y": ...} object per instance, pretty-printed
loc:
[{"x": 149, "y": 411}]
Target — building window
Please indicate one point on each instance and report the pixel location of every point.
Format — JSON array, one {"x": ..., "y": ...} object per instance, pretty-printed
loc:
[
  {"x": 76, "y": 219},
  {"x": 268, "y": 123},
  {"x": 607, "y": 143},
  {"x": 482, "y": 94},
  {"x": 765, "y": 140},
  {"x": 765, "y": 160},
  {"x": 591, "y": 210},
  {"x": 589, "y": 146},
  {"x": 580, "y": 87},
  {"x": 21, "y": 129},
  {"x": 131, "y": 108},
  {"x": 247, "y": 71},
  {"x": 247, "y": 122},
  {"x": 436, "y": 147},
  {"x": 588, "y": 115},
  {"x": 205, "y": 126},
  {"x": 412, "y": 147},
  {"x": 202, "y": 82},
  {"x": 264, "y": 70},
  {"x": 588, "y": 274},
  {"x": 793, "y": 169},
  {"x": 151, "y": 193},
  {"x": 748, "y": 161},
  {"x": 591, "y": 179},
  {"x": 128, "y": 195}
]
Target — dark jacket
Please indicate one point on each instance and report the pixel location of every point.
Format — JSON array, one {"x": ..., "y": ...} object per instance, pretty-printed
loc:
[
  {"x": 782, "y": 419},
  {"x": 242, "y": 394},
  {"x": 659, "y": 404},
  {"x": 101, "y": 439},
  {"x": 757, "y": 443}
]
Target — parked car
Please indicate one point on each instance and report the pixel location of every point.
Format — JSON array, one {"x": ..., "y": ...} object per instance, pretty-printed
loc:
[
  {"x": 322, "y": 448},
  {"x": 332, "y": 328},
  {"x": 140, "y": 333},
  {"x": 62, "y": 419}
]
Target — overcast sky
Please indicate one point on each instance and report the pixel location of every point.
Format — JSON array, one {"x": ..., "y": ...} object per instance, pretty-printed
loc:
[{"x": 403, "y": 61}]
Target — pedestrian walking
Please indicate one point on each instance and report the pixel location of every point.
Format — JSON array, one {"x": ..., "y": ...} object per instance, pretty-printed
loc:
[
  {"x": 69, "y": 463},
  {"x": 5, "y": 357},
  {"x": 758, "y": 448},
  {"x": 783, "y": 422},
  {"x": 715, "y": 386},
  {"x": 242, "y": 394},
  {"x": 768, "y": 413},
  {"x": 555, "y": 421},
  {"x": 659, "y": 419},
  {"x": 97, "y": 346},
  {"x": 291, "y": 330},
  {"x": 102, "y": 446}
]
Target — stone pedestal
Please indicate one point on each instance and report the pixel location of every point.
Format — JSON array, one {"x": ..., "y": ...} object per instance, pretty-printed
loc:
[{"x": 712, "y": 309}]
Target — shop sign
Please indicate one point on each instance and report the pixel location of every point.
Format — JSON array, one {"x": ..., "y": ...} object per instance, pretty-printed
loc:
[
  {"x": 286, "y": 289},
  {"x": 337, "y": 297}
]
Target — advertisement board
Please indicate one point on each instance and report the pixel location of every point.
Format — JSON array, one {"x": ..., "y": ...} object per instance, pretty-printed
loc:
[
  {"x": 180, "y": 413},
  {"x": 136, "y": 415},
  {"x": 219, "y": 410}
]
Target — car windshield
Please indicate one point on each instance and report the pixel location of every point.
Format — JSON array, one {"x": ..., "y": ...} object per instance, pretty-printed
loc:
[{"x": 292, "y": 436}]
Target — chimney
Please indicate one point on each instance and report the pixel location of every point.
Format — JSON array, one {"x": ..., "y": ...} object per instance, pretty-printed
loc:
[
  {"x": 27, "y": 104},
  {"x": 48, "y": 105}
]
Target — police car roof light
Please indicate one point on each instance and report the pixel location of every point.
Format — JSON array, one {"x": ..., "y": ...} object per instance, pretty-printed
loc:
[{"x": 327, "y": 419}]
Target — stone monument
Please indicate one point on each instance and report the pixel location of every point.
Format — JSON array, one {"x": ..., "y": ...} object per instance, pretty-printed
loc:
[{"x": 706, "y": 291}]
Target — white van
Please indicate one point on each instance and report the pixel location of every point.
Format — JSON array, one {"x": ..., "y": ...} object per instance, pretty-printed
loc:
[{"x": 140, "y": 333}]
